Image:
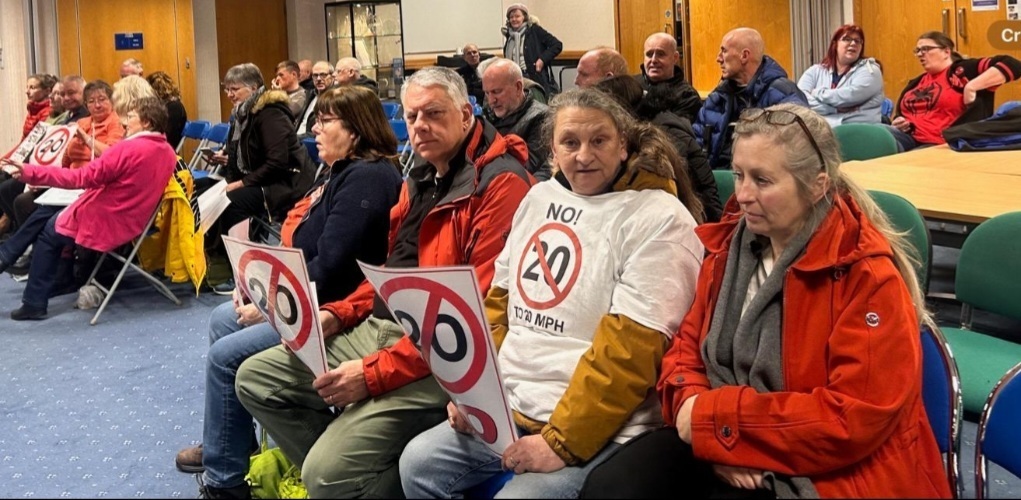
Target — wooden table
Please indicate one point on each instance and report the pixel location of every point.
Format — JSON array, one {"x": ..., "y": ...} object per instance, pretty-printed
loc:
[
  {"x": 942, "y": 157},
  {"x": 941, "y": 193}
]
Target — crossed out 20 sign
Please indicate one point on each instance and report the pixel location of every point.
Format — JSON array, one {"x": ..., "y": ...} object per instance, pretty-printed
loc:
[
  {"x": 549, "y": 266},
  {"x": 440, "y": 309},
  {"x": 51, "y": 147},
  {"x": 276, "y": 291}
]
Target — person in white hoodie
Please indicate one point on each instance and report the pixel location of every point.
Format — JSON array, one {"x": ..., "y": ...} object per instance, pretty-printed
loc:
[{"x": 846, "y": 87}]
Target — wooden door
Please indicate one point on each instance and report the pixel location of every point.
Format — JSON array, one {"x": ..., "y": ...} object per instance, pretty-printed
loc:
[
  {"x": 168, "y": 40},
  {"x": 891, "y": 31},
  {"x": 709, "y": 20},
  {"x": 252, "y": 31},
  {"x": 972, "y": 39},
  {"x": 636, "y": 20}
]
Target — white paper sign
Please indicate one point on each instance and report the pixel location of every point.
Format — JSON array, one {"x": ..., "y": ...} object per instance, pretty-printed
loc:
[
  {"x": 50, "y": 149},
  {"x": 276, "y": 280},
  {"x": 441, "y": 309},
  {"x": 24, "y": 150},
  {"x": 212, "y": 202}
]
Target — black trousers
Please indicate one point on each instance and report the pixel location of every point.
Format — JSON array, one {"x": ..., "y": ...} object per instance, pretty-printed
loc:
[
  {"x": 15, "y": 202},
  {"x": 657, "y": 464}
]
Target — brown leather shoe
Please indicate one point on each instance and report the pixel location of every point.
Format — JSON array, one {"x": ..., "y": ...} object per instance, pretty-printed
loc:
[{"x": 189, "y": 460}]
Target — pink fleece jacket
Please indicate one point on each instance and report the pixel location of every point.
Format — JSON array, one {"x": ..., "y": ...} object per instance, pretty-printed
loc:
[{"x": 122, "y": 189}]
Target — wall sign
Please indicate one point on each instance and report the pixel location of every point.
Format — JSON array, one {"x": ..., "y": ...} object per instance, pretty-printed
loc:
[{"x": 127, "y": 41}]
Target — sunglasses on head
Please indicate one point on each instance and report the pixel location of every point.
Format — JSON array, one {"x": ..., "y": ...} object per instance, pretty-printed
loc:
[{"x": 783, "y": 118}]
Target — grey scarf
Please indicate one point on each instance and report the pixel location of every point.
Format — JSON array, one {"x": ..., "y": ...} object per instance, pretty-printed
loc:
[
  {"x": 746, "y": 349},
  {"x": 514, "y": 49},
  {"x": 241, "y": 121}
]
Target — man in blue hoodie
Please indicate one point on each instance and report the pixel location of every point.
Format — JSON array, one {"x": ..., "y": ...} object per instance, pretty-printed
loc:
[{"x": 750, "y": 79}]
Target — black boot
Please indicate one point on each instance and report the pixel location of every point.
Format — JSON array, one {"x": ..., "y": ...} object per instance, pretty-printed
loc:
[{"x": 25, "y": 312}]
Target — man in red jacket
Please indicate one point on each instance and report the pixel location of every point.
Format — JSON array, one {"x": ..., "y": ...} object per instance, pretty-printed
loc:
[{"x": 455, "y": 209}]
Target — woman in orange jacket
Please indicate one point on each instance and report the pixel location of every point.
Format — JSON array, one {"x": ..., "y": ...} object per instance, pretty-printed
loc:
[{"x": 797, "y": 371}]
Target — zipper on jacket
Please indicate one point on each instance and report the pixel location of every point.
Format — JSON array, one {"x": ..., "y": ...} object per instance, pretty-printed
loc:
[{"x": 471, "y": 245}]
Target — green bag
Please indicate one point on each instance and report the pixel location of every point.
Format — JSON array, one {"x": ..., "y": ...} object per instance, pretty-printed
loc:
[{"x": 272, "y": 475}]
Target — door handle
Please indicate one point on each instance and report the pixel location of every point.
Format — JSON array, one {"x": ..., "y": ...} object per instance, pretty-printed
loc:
[
  {"x": 961, "y": 32},
  {"x": 946, "y": 22}
]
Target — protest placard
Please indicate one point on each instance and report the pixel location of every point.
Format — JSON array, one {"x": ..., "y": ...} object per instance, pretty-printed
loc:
[
  {"x": 441, "y": 309},
  {"x": 276, "y": 280}
]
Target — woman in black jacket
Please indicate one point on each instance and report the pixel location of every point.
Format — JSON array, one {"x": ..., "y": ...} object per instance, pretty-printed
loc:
[
  {"x": 651, "y": 108},
  {"x": 531, "y": 46},
  {"x": 266, "y": 168}
]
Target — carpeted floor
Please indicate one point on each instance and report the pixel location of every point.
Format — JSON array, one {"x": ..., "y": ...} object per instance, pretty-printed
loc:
[{"x": 100, "y": 411}]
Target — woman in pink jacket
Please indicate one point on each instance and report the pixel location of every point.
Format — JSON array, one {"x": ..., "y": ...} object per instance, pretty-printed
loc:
[{"x": 122, "y": 189}]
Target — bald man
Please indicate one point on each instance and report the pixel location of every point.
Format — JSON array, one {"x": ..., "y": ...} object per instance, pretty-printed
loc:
[
  {"x": 305, "y": 75},
  {"x": 513, "y": 111},
  {"x": 662, "y": 75},
  {"x": 131, "y": 66},
  {"x": 599, "y": 64},
  {"x": 349, "y": 72},
  {"x": 750, "y": 79},
  {"x": 322, "y": 78},
  {"x": 470, "y": 72}
]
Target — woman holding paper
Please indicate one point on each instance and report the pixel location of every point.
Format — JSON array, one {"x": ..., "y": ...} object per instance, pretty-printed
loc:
[
  {"x": 96, "y": 132},
  {"x": 606, "y": 254},
  {"x": 122, "y": 189},
  {"x": 343, "y": 218}
]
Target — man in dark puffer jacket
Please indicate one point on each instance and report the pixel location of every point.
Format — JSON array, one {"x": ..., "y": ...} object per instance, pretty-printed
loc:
[
  {"x": 751, "y": 79},
  {"x": 661, "y": 71}
]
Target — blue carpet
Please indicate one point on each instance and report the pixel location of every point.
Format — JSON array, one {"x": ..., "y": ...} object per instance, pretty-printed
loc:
[{"x": 101, "y": 411}]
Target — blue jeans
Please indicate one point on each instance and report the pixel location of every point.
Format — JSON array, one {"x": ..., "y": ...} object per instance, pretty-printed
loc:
[
  {"x": 443, "y": 463},
  {"x": 905, "y": 141},
  {"x": 26, "y": 234},
  {"x": 42, "y": 274},
  {"x": 227, "y": 429}
]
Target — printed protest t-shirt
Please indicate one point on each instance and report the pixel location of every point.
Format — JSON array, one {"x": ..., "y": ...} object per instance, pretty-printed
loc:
[{"x": 570, "y": 260}]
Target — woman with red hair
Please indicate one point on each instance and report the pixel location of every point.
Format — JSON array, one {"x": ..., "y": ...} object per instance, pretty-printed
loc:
[{"x": 846, "y": 87}]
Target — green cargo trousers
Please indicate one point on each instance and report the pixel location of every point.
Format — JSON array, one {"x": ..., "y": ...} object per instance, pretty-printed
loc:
[{"x": 353, "y": 454}]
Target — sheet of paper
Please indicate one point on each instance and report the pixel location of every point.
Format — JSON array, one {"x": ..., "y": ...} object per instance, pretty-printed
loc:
[
  {"x": 211, "y": 204},
  {"x": 58, "y": 197}
]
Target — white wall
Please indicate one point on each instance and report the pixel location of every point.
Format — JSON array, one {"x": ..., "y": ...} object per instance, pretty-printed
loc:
[
  {"x": 306, "y": 29},
  {"x": 13, "y": 73},
  {"x": 207, "y": 61},
  {"x": 579, "y": 24}
]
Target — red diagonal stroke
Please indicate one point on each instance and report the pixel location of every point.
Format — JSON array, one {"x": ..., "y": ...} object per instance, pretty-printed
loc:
[
  {"x": 271, "y": 298},
  {"x": 547, "y": 273},
  {"x": 432, "y": 311}
]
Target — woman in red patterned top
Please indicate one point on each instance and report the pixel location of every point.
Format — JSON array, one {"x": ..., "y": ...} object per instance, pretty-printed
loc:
[{"x": 952, "y": 90}]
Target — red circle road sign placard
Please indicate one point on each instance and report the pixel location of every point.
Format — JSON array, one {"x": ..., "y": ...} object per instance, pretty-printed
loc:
[
  {"x": 272, "y": 291},
  {"x": 437, "y": 294},
  {"x": 51, "y": 145}
]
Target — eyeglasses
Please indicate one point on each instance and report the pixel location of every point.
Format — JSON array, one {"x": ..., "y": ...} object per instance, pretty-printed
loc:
[
  {"x": 232, "y": 90},
  {"x": 852, "y": 41},
  {"x": 323, "y": 120},
  {"x": 783, "y": 118},
  {"x": 97, "y": 100},
  {"x": 321, "y": 76},
  {"x": 924, "y": 48}
]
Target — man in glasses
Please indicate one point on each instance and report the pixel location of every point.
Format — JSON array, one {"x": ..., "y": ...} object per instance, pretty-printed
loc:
[
  {"x": 750, "y": 79},
  {"x": 322, "y": 79}
]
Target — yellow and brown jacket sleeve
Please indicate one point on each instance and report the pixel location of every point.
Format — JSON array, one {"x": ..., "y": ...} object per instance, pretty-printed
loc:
[
  {"x": 612, "y": 379},
  {"x": 496, "y": 313}
]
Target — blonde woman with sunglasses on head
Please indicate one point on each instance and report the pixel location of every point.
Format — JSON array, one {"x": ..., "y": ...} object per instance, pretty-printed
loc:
[{"x": 780, "y": 382}]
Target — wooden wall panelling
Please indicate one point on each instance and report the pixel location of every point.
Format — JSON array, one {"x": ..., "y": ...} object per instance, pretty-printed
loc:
[
  {"x": 711, "y": 19},
  {"x": 252, "y": 31}
]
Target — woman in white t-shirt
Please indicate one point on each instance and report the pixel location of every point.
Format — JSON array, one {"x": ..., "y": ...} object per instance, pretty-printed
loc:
[{"x": 599, "y": 268}]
